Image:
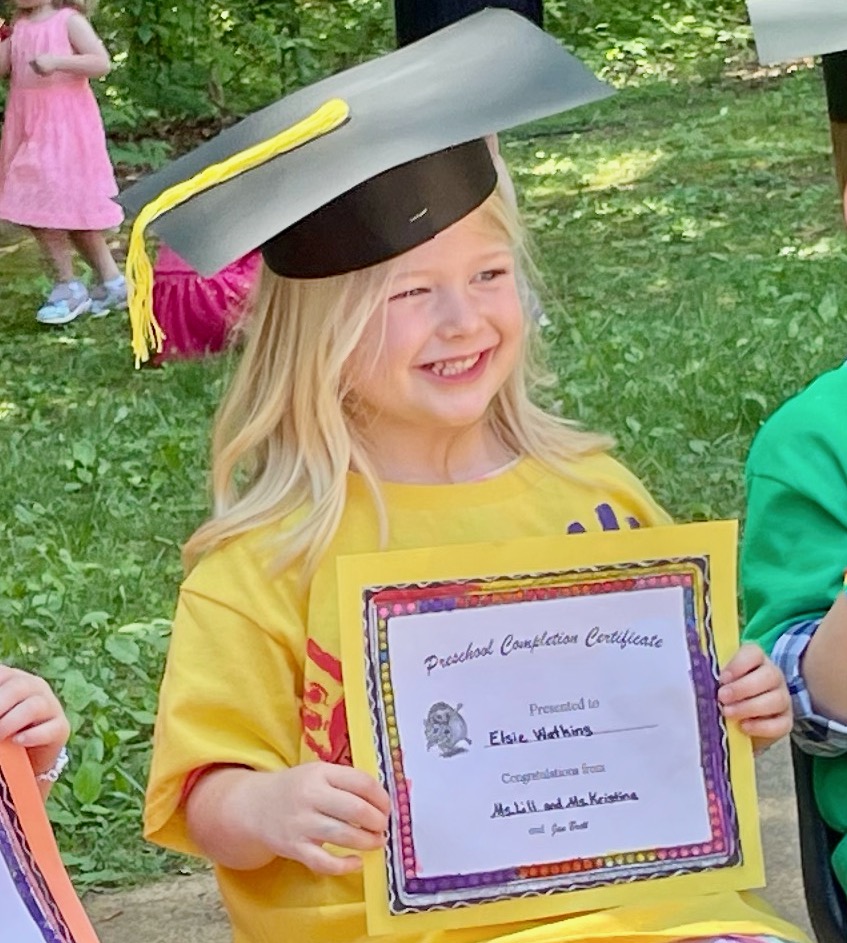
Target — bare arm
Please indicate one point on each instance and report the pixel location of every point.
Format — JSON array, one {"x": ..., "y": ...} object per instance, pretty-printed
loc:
[
  {"x": 218, "y": 820},
  {"x": 5, "y": 58},
  {"x": 825, "y": 663},
  {"x": 243, "y": 818},
  {"x": 90, "y": 57}
]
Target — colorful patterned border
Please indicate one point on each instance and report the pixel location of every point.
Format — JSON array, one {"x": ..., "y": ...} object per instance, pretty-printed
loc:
[
  {"x": 27, "y": 877},
  {"x": 410, "y": 894}
]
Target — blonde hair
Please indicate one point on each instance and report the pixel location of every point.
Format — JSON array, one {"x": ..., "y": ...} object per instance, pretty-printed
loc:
[
  {"x": 86, "y": 7},
  {"x": 287, "y": 435}
]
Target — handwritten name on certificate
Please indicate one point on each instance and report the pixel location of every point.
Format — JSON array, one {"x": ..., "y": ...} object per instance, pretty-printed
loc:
[{"x": 547, "y": 724}]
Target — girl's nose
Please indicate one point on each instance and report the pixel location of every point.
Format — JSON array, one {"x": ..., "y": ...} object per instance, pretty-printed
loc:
[{"x": 459, "y": 312}]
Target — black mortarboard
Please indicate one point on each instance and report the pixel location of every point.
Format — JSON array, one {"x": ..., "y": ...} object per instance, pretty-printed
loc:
[{"x": 359, "y": 167}]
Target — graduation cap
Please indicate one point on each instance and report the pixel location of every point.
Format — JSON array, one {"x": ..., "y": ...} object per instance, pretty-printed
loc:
[
  {"x": 359, "y": 167},
  {"x": 795, "y": 29}
]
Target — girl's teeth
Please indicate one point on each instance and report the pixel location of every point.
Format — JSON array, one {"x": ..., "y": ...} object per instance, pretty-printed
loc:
[{"x": 450, "y": 368}]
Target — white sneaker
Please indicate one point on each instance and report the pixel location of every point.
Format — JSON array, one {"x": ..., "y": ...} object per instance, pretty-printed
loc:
[
  {"x": 67, "y": 300},
  {"x": 110, "y": 296}
]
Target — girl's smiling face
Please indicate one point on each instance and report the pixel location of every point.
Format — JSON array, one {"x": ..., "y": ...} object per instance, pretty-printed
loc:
[{"x": 449, "y": 339}]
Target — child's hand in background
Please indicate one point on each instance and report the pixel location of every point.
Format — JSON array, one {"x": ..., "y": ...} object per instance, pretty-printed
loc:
[
  {"x": 754, "y": 693},
  {"x": 31, "y": 715},
  {"x": 44, "y": 65}
]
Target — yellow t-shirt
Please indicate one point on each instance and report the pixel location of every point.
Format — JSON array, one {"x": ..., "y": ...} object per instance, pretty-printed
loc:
[{"x": 254, "y": 678}]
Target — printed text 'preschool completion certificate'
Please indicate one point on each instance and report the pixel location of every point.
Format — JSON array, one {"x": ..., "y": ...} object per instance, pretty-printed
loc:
[{"x": 547, "y": 725}]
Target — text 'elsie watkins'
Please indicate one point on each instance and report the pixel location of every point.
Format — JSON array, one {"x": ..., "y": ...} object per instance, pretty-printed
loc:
[{"x": 505, "y": 738}]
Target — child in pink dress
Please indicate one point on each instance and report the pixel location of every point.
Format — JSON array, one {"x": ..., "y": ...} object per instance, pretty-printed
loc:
[{"x": 55, "y": 174}]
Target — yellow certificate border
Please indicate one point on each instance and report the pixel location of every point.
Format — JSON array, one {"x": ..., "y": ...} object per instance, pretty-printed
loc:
[{"x": 657, "y": 549}]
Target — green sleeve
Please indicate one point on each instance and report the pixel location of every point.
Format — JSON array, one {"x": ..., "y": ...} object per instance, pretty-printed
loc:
[{"x": 794, "y": 549}]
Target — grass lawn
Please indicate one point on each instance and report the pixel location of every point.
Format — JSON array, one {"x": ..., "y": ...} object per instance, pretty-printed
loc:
[{"x": 693, "y": 255}]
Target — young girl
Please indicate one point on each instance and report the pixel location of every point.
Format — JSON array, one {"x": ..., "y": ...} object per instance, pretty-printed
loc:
[
  {"x": 55, "y": 174},
  {"x": 381, "y": 404}
]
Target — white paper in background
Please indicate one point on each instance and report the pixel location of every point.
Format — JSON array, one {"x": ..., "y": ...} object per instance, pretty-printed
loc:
[
  {"x": 793, "y": 29},
  {"x": 639, "y": 702}
]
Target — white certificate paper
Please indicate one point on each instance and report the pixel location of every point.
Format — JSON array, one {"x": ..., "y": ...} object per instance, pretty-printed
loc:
[
  {"x": 545, "y": 732},
  {"x": 547, "y": 744}
]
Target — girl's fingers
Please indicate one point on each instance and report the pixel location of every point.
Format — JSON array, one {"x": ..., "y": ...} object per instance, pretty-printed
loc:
[
  {"x": 351, "y": 809},
  {"x": 767, "y": 728},
  {"x": 321, "y": 861},
  {"x": 326, "y": 829},
  {"x": 769, "y": 704},
  {"x": 27, "y": 714},
  {"x": 18, "y": 685},
  {"x": 15, "y": 687},
  {"x": 746, "y": 659},
  {"x": 766, "y": 677},
  {"x": 354, "y": 781},
  {"x": 26, "y": 702},
  {"x": 51, "y": 732}
]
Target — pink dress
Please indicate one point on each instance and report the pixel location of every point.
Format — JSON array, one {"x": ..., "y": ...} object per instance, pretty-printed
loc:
[
  {"x": 198, "y": 314},
  {"x": 55, "y": 171}
]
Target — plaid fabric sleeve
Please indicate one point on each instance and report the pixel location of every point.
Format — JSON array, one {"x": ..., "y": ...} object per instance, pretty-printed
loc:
[{"x": 813, "y": 732}]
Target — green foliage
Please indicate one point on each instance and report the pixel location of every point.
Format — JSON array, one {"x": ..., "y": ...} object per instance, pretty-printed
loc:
[
  {"x": 640, "y": 41},
  {"x": 202, "y": 59},
  {"x": 692, "y": 271},
  {"x": 147, "y": 152},
  {"x": 213, "y": 59}
]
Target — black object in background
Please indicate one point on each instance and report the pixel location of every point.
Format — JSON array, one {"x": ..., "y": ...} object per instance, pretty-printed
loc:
[
  {"x": 835, "y": 80},
  {"x": 825, "y": 899},
  {"x": 418, "y": 18}
]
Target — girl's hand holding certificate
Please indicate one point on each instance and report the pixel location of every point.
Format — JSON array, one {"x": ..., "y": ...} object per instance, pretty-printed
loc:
[
  {"x": 754, "y": 693},
  {"x": 292, "y": 813}
]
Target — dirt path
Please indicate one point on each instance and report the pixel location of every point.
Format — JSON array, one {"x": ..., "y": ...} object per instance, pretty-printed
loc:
[
  {"x": 186, "y": 910},
  {"x": 182, "y": 910}
]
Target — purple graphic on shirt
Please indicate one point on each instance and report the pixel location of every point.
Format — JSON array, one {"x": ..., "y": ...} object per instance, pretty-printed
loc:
[{"x": 607, "y": 519}]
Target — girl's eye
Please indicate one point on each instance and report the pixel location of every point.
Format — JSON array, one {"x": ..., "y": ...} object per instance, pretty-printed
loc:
[
  {"x": 409, "y": 293},
  {"x": 490, "y": 274}
]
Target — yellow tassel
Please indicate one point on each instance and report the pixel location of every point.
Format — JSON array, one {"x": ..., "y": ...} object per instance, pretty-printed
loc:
[{"x": 146, "y": 331}]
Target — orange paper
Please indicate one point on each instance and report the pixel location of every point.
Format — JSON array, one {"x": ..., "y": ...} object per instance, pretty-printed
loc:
[{"x": 38, "y": 903}]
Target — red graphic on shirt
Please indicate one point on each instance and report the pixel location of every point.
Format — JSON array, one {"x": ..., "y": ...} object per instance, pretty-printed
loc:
[{"x": 322, "y": 713}]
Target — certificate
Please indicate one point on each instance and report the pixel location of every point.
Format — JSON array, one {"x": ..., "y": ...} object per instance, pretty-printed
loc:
[
  {"x": 543, "y": 714},
  {"x": 37, "y": 902}
]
